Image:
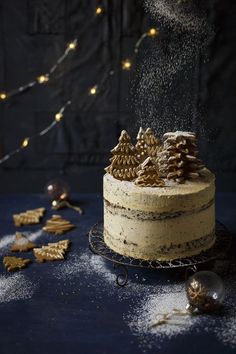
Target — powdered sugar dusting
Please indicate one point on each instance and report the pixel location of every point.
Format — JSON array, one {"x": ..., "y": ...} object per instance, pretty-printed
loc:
[
  {"x": 227, "y": 332},
  {"x": 6, "y": 240},
  {"x": 142, "y": 318},
  {"x": 165, "y": 91},
  {"x": 87, "y": 264},
  {"x": 15, "y": 287},
  {"x": 163, "y": 301},
  {"x": 149, "y": 301},
  {"x": 176, "y": 13}
]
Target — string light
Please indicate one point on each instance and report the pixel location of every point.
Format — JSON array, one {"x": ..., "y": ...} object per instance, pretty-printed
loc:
[
  {"x": 93, "y": 90},
  {"x": 153, "y": 32},
  {"x": 25, "y": 143},
  {"x": 126, "y": 64},
  {"x": 42, "y": 79},
  {"x": 3, "y": 96},
  {"x": 99, "y": 10},
  {"x": 58, "y": 117},
  {"x": 72, "y": 45}
]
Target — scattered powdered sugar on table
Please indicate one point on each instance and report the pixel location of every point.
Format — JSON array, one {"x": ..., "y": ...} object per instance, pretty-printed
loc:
[
  {"x": 167, "y": 298},
  {"x": 6, "y": 240},
  {"x": 15, "y": 287},
  {"x": 87, "y": 264},
  {"x": 152, "y": 307},
  {"x": 227, "y": 332},
  {"x": 149, "y": 301}
]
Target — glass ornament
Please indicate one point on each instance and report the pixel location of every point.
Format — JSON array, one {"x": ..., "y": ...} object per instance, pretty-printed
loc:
[
  {"x": 205, "y": 292},
  {"x": 57, "y": 190}
]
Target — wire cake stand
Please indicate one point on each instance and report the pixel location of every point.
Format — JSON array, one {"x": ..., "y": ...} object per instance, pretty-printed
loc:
[{"x": 98, "y": 246}]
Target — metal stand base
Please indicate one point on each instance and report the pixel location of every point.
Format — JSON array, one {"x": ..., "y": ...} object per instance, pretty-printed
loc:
[{"x": 98, "y": 246}]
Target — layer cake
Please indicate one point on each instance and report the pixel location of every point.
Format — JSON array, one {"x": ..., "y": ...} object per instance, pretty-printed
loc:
[{"x": 167, "y": 220}]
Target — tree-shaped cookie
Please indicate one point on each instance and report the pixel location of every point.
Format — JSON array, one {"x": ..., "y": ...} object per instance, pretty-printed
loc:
[
  {"x": 124, "y": 160},
  {"x": 22, "y": 244},
  {"x": 29, "y": 217},
  {"x": 179, "y": 159},
  {"x": 141, "y": 146},
  {"x": 152, "y": 143},
  {"x": 57, "y": 225},
  {"x": 15, "y": 263},
  {"x": 148, "y": 175},
  {"x": 51, "y": 252}
]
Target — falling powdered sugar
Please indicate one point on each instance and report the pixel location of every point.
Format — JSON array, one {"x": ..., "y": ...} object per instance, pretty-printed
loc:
[
  {"x": 165, "y": 88},
  {"x": 176, "y": 13},
  {"x": 15, "y": 287}
]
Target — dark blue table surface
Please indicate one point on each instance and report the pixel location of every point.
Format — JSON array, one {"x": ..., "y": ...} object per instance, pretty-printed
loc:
[{"x": 87, "y": 313}]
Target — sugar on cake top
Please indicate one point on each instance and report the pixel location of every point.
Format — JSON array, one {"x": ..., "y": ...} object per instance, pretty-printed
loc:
[{"x": 153, "y": 161}]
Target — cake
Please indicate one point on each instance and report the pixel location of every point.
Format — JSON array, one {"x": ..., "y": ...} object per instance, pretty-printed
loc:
[{"x": 158, "y": 198}]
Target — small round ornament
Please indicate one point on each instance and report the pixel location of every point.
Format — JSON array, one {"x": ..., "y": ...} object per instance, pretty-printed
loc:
[
  {"x": 57, "y": 190},
  {"x": 205, "y": 292}
]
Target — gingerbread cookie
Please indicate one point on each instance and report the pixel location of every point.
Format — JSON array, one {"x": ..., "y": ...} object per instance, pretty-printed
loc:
[
  {"x": 57, "y": 225},
  {"x": 22, "y": 244},
  {"x": 15, "y": 263},
  {"x": 52, "y": 252},
  {"x": 62, "y": 245},
  {"x": 29, "y": 217}
]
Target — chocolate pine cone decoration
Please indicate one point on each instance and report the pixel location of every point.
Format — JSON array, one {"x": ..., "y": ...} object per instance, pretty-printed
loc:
[
  {"x": 148, "y": 175},
  {"x": 179, "y": 159},
  {"x": 124, "y": 161},
  {"x": 153, "y": 145},
  {"x": 141, "y": 146}
]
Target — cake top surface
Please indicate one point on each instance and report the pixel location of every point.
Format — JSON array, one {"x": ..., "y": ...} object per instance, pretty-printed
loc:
[{"x": 170, "y": 189}]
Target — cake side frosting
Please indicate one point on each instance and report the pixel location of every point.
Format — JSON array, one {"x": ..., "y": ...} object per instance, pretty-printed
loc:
[
  {"x": 159, "y": 223},
  {"x": 171, "y": 198}
]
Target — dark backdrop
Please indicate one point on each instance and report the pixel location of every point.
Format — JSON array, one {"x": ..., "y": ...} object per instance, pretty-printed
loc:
[{"x": 33, "y": 34}]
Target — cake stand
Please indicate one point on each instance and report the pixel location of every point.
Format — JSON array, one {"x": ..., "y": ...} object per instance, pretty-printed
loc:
[{"x": 98, "y": 246}]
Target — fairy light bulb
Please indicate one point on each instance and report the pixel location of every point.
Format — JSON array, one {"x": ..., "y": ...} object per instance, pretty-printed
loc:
[
  {"x": 3, "y": 96},
  {"x": 152, "y": 32},
  {"x": 72, "y": 45},
  {"x": 25, "y": 143},
  {"x": 42, "y": 79},
  {"x": 99, "y": 10},
  {"x": 126, "y": 64},
  {"x": 58, "y": 117},
  {"x": 93, "y": 90},
  {"x": 54, "y": 203}
]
